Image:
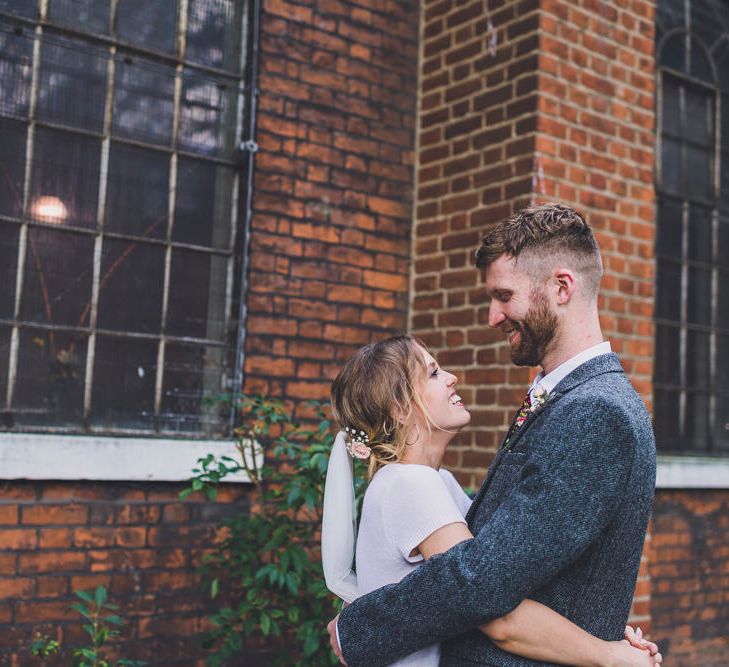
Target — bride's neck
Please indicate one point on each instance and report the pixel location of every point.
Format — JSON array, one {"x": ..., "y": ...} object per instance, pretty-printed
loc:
[{"x": 427, "y": 450}]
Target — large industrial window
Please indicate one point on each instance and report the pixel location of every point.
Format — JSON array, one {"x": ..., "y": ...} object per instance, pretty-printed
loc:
[
  {"x": 691, "y": 401},
  {"x": 120, "y": 185}
]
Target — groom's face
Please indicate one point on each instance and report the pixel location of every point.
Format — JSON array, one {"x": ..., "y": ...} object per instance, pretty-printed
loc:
[{"x": 521, "y": 310}]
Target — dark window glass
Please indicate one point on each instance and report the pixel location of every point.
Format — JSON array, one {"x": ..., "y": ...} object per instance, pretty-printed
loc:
[
  {"x": 93, "y": 15},
  {"x": 72, "y": 83},
  {"x": 13, "y": 138},
  {"x": 192, "y": 376},
  {"x": 58, "y": 357},
  {"x": 671, "y": 165},
  {"x": 20, "y": 7},
  {"x": 65, "y": 178},
  {"x": 699, "y": 296},
  {"x": 700, "y": 234},
  {"x": 130, "y": 289},
  {"x": 5, "y": 333},
  {"x": 138, "y": 192},
  {"x": 668, "y": 359},
  {"x": 698, "y": 364},
  {"x": 192, "y": 277},
  {"x": 722, "y": 310},
  {"x": 673, "y": 55},
  {"x": 8, "y": 267},
  {"x": 722, "y": 362},
  {"x": 124, "y": 379},
  {"x": 671, "y": 117},
  {"x": 666, "y": 422},
  {"x": 16, "y": 69},
  {"x": 202, "y": 208},
  {"x": 143, "y": 100},
  {"x": 699, "y": 126},
  {"x": 212, "y": 29},
  {"x": 148, "y": 23},
  {"x": 699, "y": 168},
  {"x": 721, "y": 424},
  {"x": 668, "y": 298},
  {"x": 669, "y": 235},
  {"x": 700, "y": 65},
  {"x": 57, "y": 278}
]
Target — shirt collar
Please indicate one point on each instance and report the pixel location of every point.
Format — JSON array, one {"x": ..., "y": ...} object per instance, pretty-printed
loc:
[{"x": 549, "y": 381}]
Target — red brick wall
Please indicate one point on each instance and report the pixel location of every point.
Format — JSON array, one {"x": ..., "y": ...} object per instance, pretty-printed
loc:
[
  {"x": 135, "y": 539},
  {"x": 690, "y": 577},
  {"x": 330, "y": 241},
  {"x": 329, "y": 267}
]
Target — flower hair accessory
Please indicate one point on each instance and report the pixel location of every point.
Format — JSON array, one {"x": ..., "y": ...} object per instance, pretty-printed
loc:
[{"x": 357, "y": 443}]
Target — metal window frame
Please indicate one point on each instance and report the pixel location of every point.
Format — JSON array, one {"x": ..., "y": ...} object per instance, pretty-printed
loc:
[{"x": 244, "y": 119}]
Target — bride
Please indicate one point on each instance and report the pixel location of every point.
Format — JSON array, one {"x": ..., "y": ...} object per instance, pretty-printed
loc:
[{"x": 398, "y": 410}]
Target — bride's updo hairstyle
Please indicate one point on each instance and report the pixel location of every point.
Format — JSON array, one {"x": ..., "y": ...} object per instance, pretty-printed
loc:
[{"x": 375, "y": 392}]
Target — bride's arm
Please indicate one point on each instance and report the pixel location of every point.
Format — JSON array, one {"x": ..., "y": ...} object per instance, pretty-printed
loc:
[{"x": 535, "y": 631}]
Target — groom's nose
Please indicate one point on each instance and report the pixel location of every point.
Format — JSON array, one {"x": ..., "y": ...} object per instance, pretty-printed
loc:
[{"x": 496, "y": 314}]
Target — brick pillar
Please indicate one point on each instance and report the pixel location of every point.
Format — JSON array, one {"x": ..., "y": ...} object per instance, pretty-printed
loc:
[{"x": 520, "y": 102}]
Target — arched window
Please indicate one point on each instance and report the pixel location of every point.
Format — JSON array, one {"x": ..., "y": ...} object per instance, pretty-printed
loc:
[{"x": 691, "y": 379}]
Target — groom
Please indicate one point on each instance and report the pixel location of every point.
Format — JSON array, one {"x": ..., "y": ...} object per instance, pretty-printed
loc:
[{"x": 562, "y": 514}]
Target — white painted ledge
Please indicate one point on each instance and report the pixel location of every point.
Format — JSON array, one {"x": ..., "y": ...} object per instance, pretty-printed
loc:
[
  {"x": 70, "y": 457},
  {"x": 692, "y": 472}
]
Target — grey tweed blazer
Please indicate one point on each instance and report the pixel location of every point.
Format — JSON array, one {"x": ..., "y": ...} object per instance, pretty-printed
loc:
[{"x": 560, "y": 518}]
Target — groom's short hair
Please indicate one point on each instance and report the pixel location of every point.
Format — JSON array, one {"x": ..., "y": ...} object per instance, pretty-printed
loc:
[{"x": 539, "y": 238}]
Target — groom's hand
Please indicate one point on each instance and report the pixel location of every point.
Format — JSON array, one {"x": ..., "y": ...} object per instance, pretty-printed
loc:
[{"x": 332, "y": 630}]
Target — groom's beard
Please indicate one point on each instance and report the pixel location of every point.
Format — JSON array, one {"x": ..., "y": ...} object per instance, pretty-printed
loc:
[{"x": 536, "y": 331}]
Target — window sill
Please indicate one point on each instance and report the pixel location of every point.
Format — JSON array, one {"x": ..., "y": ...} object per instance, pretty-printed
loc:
[
  {"x": 692, "y": 472},
  {"x": 69, "y": 457}
]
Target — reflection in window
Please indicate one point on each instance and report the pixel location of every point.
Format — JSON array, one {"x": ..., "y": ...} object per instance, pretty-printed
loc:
[
  {"x": 691, "y": 391},
  {"x": 119, "y": 190}
]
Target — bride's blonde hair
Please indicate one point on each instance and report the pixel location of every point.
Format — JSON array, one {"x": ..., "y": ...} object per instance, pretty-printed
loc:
[{"x": 375, "y": 392}]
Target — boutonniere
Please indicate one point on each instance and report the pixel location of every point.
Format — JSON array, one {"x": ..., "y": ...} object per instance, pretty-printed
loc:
[{"x": 539, "y": 397}]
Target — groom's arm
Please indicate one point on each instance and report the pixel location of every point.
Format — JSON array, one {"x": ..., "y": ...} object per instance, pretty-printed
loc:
[{"x": 567, "y": 494}]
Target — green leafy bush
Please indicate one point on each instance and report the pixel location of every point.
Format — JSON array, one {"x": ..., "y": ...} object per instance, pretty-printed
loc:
[{"x": 268, "y": 564}]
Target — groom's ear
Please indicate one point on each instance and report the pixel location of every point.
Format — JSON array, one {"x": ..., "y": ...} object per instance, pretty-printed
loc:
[{"x": 565, "y": 283}]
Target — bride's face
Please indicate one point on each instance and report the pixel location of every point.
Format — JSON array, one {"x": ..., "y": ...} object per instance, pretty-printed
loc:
[{"x": 440, "y": 398}]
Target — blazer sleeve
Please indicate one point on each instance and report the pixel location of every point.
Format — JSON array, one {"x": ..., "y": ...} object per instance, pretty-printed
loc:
[{"x": 567, "y": 492}]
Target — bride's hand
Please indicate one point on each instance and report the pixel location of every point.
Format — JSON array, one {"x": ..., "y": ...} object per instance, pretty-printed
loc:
[
  {"x": 635, "y": 638},
  {"x": 623, "y": 654}
]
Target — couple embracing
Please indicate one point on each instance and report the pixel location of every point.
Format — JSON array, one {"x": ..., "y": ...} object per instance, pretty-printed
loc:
[{"x": 540, "y": 566}]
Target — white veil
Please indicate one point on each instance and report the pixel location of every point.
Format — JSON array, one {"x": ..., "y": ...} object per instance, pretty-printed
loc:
[{"x": 339, "y": 527}]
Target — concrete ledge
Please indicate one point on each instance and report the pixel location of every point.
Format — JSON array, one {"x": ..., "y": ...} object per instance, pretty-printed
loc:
[
  {"x": 70, "y": 457},
  {"x": 692, "y": 472}
]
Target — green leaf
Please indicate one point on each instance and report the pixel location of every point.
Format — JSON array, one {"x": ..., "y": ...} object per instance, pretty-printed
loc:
[
  {"x": 214, "y": 588},
  {"x": 100, "y": 596},
  {"x": 265, "y": 622},
  {"x": 85, "y": 595}
]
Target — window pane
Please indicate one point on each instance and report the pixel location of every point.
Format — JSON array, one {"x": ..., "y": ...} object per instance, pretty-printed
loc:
[
  {"x": 667, "y": 369},
  {"x": 669, "y": 235},
  {"x": 9, "y": 234},
  {"x": 137, "y": 195},
  {"x": 143, "y": 101},
  {"x": 58, "y": 274},
  {"x": 673, "y": 53},
  {"x": 207, "y": 115},
  {"x": 148, "y": 23},
  {"x": 699, "y": 296},
  {"x": 699, "y": 176},
  {"x": 721, "y": 425},
  {"x": 697, "y": 421},
  {"x": 20, "y": 7},
  {"x": 698, "y": 366},
  {"x": 196, "y": 304},
  {"x": 5, "y": 333},
  {"x": 72, "y": 83},
  {"x": 93, "y": 15},
  {"x": 722, "y": 363},
  {"x": 65, "y": 180},
  {"x": 666, "y": 423},
  {"x": 699, "y": 237},
  {"x": 59, "y": 358},
  {"x": 193, "y": 374},
  {"x": 12, "y": 165},
  {"x": 671, "y": 165},
  {"x": 699, "y": 126},
  {"x": 130, "y": 290},
  {"x": 706, "y": 21},
  {"x": 212, "y": 34},
  {"x": 668, "y": 293},
  {"x": 671, "y": 110},
  {"x": 722, "y": 310},
  {"x": 124, "y": 378},
  {"x": 700, "y": 66},
  {"x": 16, "y": 69},
  {"x": 202, "y": 207},
  {"x": 725, "y": 117}
]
